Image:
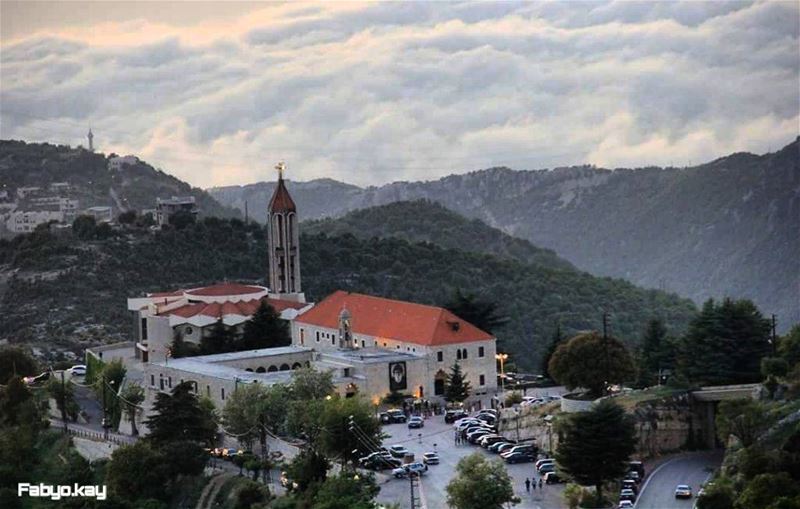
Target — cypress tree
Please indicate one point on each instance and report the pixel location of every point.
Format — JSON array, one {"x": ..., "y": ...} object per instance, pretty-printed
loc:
[
  {"x": 180, "y": 416},
  {"x": 266, "y": 329},
  {"x": 220, "y": 339},
  {"x": 457, "y": 388}
]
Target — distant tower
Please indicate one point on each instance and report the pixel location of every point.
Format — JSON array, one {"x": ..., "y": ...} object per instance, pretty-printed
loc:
[
  {"x": 91, "y": 138},
  {"x": 283, "y": 243},
  {"x": 345, "y": 329}
]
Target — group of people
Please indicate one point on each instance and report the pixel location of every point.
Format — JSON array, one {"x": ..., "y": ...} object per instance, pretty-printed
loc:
[{"x": 531, "y": 484}]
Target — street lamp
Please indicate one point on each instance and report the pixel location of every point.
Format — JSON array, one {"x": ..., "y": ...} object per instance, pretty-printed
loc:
[{"x": 502, "y": 357}]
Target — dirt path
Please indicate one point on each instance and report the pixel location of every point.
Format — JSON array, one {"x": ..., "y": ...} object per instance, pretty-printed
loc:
[{"x": 210, "y": 492}]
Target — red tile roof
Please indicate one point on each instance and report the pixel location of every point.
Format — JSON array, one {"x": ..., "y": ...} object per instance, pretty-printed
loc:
[
  {"x": 281, "y": 199},
  {"x": 225, "y": 289},
  {"x": 218, "y": 310},
  {"x": 394, "y": 319}
]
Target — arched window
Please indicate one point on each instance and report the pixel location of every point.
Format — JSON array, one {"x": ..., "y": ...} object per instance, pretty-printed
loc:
[
  {"x": 464, "y": 355},
  {"x": 284, "y": 367},
  {"x": 297, "y": 365},
  {"x": 458, "y": 354},
  {"x": 249, "y": 369},
  {"x": 271, "y": 369},
  {"x": 260, "y": 369}
]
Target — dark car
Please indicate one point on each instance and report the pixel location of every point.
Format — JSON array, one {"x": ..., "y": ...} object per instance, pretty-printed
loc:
[
  {"x": 554, "y": 478},
  {"x": 637, "y": 466},
  {"x": 379, "y": 461},
  {"x": 392, "y": 417},
  {"x": 452, "y": 416},
  {"x": 519, "y": 457},
  {"x": 416, "y": 422},
  {"x": 630, "y": 484},
  {"x": 477, "y": 435}
]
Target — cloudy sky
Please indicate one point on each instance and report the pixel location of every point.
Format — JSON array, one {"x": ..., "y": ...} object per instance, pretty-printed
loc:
[{"x": 216, "y": 93}]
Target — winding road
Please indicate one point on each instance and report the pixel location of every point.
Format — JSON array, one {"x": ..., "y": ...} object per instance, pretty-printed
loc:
[{"x": 658, "y": 490}]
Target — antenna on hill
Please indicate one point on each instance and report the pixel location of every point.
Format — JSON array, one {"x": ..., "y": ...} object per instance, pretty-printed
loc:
[{"x": 245, "y": 213}]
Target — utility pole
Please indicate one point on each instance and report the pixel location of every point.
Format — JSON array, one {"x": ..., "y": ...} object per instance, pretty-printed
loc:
[
  {"x": 774, "y": 335},
  {"x": 64, "y": 402},
  {"x": 605, "y": 348},
  {"x": 105, "y": 408},
  {"x": 246, "y": 215}
]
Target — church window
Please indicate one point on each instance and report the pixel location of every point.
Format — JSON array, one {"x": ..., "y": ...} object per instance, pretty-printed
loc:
[
  {"x": 482, "y": 380},
  {"x": 169, "y": 382},
  {"x": 347, "y": 372},
  {"x": 440, "y": 356},
  {"x": 222, "y": 393},
  {"x": 464, "y": 355},
  {"x": 144, "y": 329},
  {"x": 458, "y": 354},
  {"x": 208, "y": 391},
  {"x": 152, "y": 380},
  {"x": 317, "y": 336},
  {"x": 480, "y": 351}
]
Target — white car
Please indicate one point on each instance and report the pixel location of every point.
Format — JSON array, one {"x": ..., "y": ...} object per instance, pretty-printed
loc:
[
  {"x": 625, "y": 504},
  {"x": 411, "y": 468},
  {"x": 683, "y": 491},
  {"x": 78, "y": 370}
]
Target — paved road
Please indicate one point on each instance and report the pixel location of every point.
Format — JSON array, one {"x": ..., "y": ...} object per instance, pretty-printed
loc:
[
  {"x": 692, "y": 469},
  {"x": 434, "y": 482}
]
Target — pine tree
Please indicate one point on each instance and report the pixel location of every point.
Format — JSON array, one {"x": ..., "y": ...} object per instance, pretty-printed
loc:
[
  {"x": 266, "y": 329},
  {"x": 652, "y": 352},
  {"x": 481, "y": 314},
  {"x": 218, "y": 340},
  {"x": 557, "y": 339},
  {"x": 597, "y": 445},
  {"x": 181, "y": 416},
  {"x": 456, "y": 389}
]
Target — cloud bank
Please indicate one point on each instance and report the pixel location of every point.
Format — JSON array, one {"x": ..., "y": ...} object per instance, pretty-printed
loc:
[{"x": 378, "y": 92}]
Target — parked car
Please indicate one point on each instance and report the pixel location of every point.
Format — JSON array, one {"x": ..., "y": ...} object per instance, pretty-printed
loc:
[
  {"x": 625, "y": 504},
  {"x": 637, "y": 466},
  {"x": 476, "y": 435},
  {"x": 543, "y": 461},
  {"x": 393, "y": 416},
  {"x": 554, "y": 478},
  {"x": 627, "y": 495},
  {"x": 78, "y": 370},
  {"x": 488, "y": 440},
  {"x": 416, "y": 422},
  {"x": 430, "y": 458},
  {"x": 634, "y": 475},
  {"x": 463, "y": 424},
  {"x": 519, "y": 457},
  {"x": 411, "y": 468},
  {"x": 529, "y": 448},
  {"x": 683, "y": 491},
  {"x": 500, "y": 449},
  {"x": 379, "y": 461},
  {"x": 454, "y": 415},
  {"x": 547, "y": 467},
  {"x": 398, "y": 451},
  {"x": 630, "y": 484}
]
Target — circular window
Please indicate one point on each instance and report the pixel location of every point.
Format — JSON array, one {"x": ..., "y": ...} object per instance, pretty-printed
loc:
[{"x": 188, "y": 331}]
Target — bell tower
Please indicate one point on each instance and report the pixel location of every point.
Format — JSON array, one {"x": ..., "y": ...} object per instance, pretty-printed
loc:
[
  {"x": 283, "y": 243},
  {"x": 345, "y": 330}
]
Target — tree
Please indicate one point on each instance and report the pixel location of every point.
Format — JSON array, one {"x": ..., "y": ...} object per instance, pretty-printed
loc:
[
  {"x": 307, "y": 468},
  {"x": 719, "y": 495},
  {"x": 127, "y": 217},
  {"x": 84, "y": 227},
  {"x": 266, "y": 329},
  {"x": 652, "y": 352},
  {"x": 743, "y": 418},
  {"x": 64, "y": 398},
  {"x": 249, "y": 494},
  {"x": 137, "y": 471},
  {"x": 183, "y": 458},
  {"x": 181, "y": 416},
  {"x": 597, "y": 445},
  {"x": 346, "y": 491},
  {"x": 573, "y": 494},
  {"x": 351, "y": 429},
  {"x": 480, "y": 484},
  {"x": 181, "y": 219},
  {"x": 220, "y": 339},
  {"x": 182, "y": 348},
  {"x": 482, "y": 314},
  {"x": 592, "y": 362},
  {"x": 18, "y": 407},
  {"x": 252, "y": 410},
  {"x": 555, "y": 341},
  {"x": 725, "y": 344},
  {"x": 308, "y": 384},
  {"x": 132, "y": 397},
  {"x": 789, "y": 346},
  {"x": 456, "y": 388},
  {"x": 15, "y": 361},
  {"x": 765, "y": 489}
]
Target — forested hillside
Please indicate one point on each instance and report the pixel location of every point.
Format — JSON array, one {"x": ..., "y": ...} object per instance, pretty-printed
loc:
[
  {"x": 59, "y": 290},
  {"x": 727, "y": 227},
  {"x": 427, "y": 221},
  {"x": 134, "y": 186}
]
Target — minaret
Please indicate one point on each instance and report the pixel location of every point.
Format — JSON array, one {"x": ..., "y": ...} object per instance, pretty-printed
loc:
[
  {"x": 91, "y": 137},
  {"x": 283, "y": 243}
]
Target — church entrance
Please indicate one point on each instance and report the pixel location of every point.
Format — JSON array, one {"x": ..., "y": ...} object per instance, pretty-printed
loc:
[{"x": 438, "y": 383}]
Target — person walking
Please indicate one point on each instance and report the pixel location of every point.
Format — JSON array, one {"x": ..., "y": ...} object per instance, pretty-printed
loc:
[
  {"x": 527, "y": 485},
  {"x": 540, "y": 483},
  {"x": 534, "y": 485}
]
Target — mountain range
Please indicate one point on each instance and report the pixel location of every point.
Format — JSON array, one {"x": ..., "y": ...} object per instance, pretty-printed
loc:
[{"x": 729, "y": 227}]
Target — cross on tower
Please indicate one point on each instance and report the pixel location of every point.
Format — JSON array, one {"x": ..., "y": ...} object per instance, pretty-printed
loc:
[{"x": 280, "y": 167}]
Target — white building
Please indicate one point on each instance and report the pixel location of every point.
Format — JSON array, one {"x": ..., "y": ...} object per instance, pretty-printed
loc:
[
  {"x": 22, "y": 221},
  {"x": 100, "y": 214},
  {"x": 117, "y": 163},
  {"x": 165, "y": 207}
]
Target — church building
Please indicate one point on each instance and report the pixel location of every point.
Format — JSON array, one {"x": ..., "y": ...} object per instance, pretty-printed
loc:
[{"x": 372, "y": 345}]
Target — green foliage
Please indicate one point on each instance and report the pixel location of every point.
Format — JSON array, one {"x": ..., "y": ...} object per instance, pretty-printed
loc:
[
  {"x": 725, "y": 344},
  {"x": 597, "y": 445},
  {"x": 132, "y": 397},
  {"x": 308, "y": 468},
  {"x": 513, "y": 398},
  {"x": 789, "y": 346},
  {"x": 652, "y": 352},
  {"x": 346, "y": 491},
  {"x": 482, "y": 314},
  {"x": 15, "y": 361},
  {"x": 181, "y": 348},
  {"x": 394, "y": 398},
  {"x": 84, "y": 227},
  {"x": 745, "y": 419},
  {"x": 337, "y": 440},
  {"x": 308, "y": 384},
  {"x": 555, "y": 342},
  {"x": 249, "y": 494},
  {"x": 18, "y": 407},
  {"x": 64, "y": 397},
  {"x": 107, "y": 384},
  {"x": 220, "y": 339},
  {"x": 480, "y": 484},
  {"x": 181, "y": 219},
  {"x": 765, "y": 489},
  {"x": 718, "y": 496},
  {"x": 180, "y": 416},
  {"x": 252, "y": 409},
  {"x": 776, "y": 367},
  {"x": 136, "y": 472},
  {"x": 573, "y": 494},
  {"x": 265, "y": 329},
  {"x": 456, "y": 387},
  {"x": 593, "y": 362},
  {"x": 127, "y": 217}
]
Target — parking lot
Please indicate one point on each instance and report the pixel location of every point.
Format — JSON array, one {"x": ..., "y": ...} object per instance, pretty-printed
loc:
[{"x": 439, "y": 437}]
